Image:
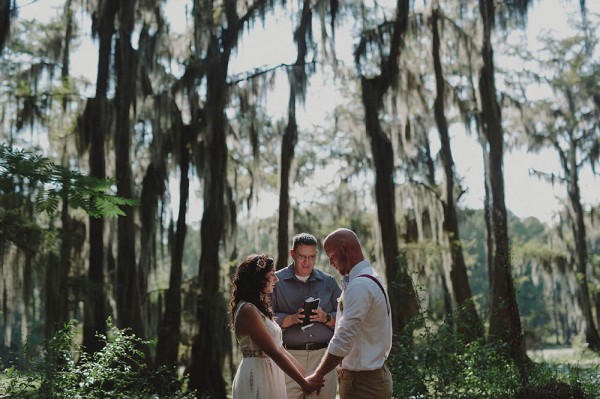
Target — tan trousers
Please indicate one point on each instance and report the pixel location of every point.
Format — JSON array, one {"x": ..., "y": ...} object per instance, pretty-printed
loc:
[
  {"x": 371, "y": 384},
  {"x": 310, "y": 361}
]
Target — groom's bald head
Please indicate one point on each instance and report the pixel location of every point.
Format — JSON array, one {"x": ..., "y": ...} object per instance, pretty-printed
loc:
[{"x": 343, "y": 249}]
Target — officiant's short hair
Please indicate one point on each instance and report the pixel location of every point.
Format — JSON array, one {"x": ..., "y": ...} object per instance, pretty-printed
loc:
[{"x": 303, "y": 239}]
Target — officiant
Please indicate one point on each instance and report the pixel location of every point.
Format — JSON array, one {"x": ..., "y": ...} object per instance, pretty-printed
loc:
[{"x": 298, "y": 282}]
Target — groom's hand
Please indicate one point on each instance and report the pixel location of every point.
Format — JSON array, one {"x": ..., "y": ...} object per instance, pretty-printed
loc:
[{"x": 316, "y": 378}]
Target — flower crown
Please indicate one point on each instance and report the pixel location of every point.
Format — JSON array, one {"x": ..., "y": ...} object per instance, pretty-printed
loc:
[{"x": 261, "y": 262}]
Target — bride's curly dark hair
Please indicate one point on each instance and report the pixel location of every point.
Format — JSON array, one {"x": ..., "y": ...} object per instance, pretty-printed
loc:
[{"x": 248, "y": 282}]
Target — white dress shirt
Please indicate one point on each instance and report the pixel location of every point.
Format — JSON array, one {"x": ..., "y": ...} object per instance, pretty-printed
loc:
[{"x": 363, "y": 328}]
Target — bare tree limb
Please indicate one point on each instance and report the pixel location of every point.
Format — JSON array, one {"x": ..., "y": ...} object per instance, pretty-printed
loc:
[{"x": 259, "y": 72}]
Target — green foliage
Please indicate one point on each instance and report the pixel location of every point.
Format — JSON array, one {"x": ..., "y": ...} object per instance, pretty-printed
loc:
[
  {"x": 436, "y": 363},
  {"x": 55, "y": 182},
  {"x": 579, "y": 378},
  {"x": 119, "y": 370}
]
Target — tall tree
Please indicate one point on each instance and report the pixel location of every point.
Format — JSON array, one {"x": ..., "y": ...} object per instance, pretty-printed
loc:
[
  {"x": 505, "y": 322},
  {"x": 97, "y": 121},
  {"x": 207, "y": 356},
  {"x": 128, "y": 296},
  {"x": 164, "y": 119},
  {"x": 568, "y": 123},
  {"x": 468, "y": 322},
  {"x": 220, "y": 33},
  {"x": 167, "y": 349},
  {"x": 374, "y": 88},
  {"x": 297, "y": 76},
  {"x": 7, "y": 8},
  {"x": 57, "y": 311}
]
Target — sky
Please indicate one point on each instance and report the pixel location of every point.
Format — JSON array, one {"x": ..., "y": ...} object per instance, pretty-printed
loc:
[{"x": 525, "y": 195}]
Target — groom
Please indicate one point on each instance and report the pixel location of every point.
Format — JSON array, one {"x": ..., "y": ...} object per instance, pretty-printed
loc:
[{"x": 363, "y": 331}]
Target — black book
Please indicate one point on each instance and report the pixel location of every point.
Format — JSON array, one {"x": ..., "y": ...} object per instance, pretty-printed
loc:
[{"x": 309, "y": 305}]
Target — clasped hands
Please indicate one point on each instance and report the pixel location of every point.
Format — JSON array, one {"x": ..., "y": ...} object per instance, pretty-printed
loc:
[{"x": 314, "y": 382}]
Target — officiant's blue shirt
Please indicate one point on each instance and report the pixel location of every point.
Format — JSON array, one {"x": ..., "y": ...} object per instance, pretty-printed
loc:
[{"x": 289, "y": 295}]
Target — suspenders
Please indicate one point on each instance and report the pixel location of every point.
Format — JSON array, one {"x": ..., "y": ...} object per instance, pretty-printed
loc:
[{"x": 382, "y": 290}]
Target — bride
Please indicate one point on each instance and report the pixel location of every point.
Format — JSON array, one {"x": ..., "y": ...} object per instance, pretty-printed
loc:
[{"x": 260, "y": 374}]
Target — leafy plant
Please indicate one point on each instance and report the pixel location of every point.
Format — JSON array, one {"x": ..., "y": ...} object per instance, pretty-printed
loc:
[
  {"x": 435, "y": 363},
  {"x": 54, "y": 182},
  {"x": 118, "y": 371}
]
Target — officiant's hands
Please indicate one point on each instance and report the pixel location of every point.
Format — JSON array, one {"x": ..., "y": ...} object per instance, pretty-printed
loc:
[
  {"x": 319, "y": 315},
  {"x": 294, "y": 318}
]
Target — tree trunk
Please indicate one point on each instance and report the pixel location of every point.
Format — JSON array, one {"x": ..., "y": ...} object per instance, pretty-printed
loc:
[
  {"x": 57, "y": 289},
  {"x": 581, "y": 258},
  {"x": 53, "y": 294},
  {"x": 153, "y": 188},
  {"x": 7, "y": 8},
  {"x": 505, "y": 323},
  {"x": 95, "y": 305},
  {"x": 400, "y": 288},
  {"x": 487, "y": 214},
  {"x": 597, "y": 304},
  {"x": 468, "y": 323},
  {"x": 290, "y": 137},
  {"x": 67, "y": 49},
  {"x": 167, "y": 350},
  {"x": 487, "y": 204},
  {"x": 27, "y": 310},
  {"x": 97, "y": 122},
  {"x": 128, "y": 296},
  {"x": 209, "y": 346}
]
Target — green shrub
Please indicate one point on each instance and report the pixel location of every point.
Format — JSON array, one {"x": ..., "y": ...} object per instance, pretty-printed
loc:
[
  {"x": 442, "y": 367},
  {"x": 427, "y": 363},
  {"x": 580, "y": 378},
  {"x": 118, "y": 371}
]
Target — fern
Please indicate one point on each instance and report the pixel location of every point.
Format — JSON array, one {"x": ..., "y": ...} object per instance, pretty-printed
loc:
[{"x": 54, "y": 183}]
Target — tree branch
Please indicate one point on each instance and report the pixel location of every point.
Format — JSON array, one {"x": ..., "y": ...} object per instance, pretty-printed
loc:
[
  {"x": 259, "y": 72},
  {"x": 549, "y": 177}
]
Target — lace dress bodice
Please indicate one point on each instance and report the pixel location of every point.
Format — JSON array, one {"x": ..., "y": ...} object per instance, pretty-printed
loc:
[
  {"x": 248, "y": 347},
  {"x": 258, "y": 376}
]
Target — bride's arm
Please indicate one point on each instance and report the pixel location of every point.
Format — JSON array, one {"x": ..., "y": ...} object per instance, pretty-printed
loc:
[
  {"x": 249, "y": 322},
  {"x": 295, "y": 362}
]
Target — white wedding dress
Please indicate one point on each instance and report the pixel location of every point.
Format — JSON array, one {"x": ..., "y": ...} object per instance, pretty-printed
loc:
[{"x": 258, "y": 376}]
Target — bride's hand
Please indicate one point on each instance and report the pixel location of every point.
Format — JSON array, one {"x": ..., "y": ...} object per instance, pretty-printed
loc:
[{"x": 313, "y": 384}]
